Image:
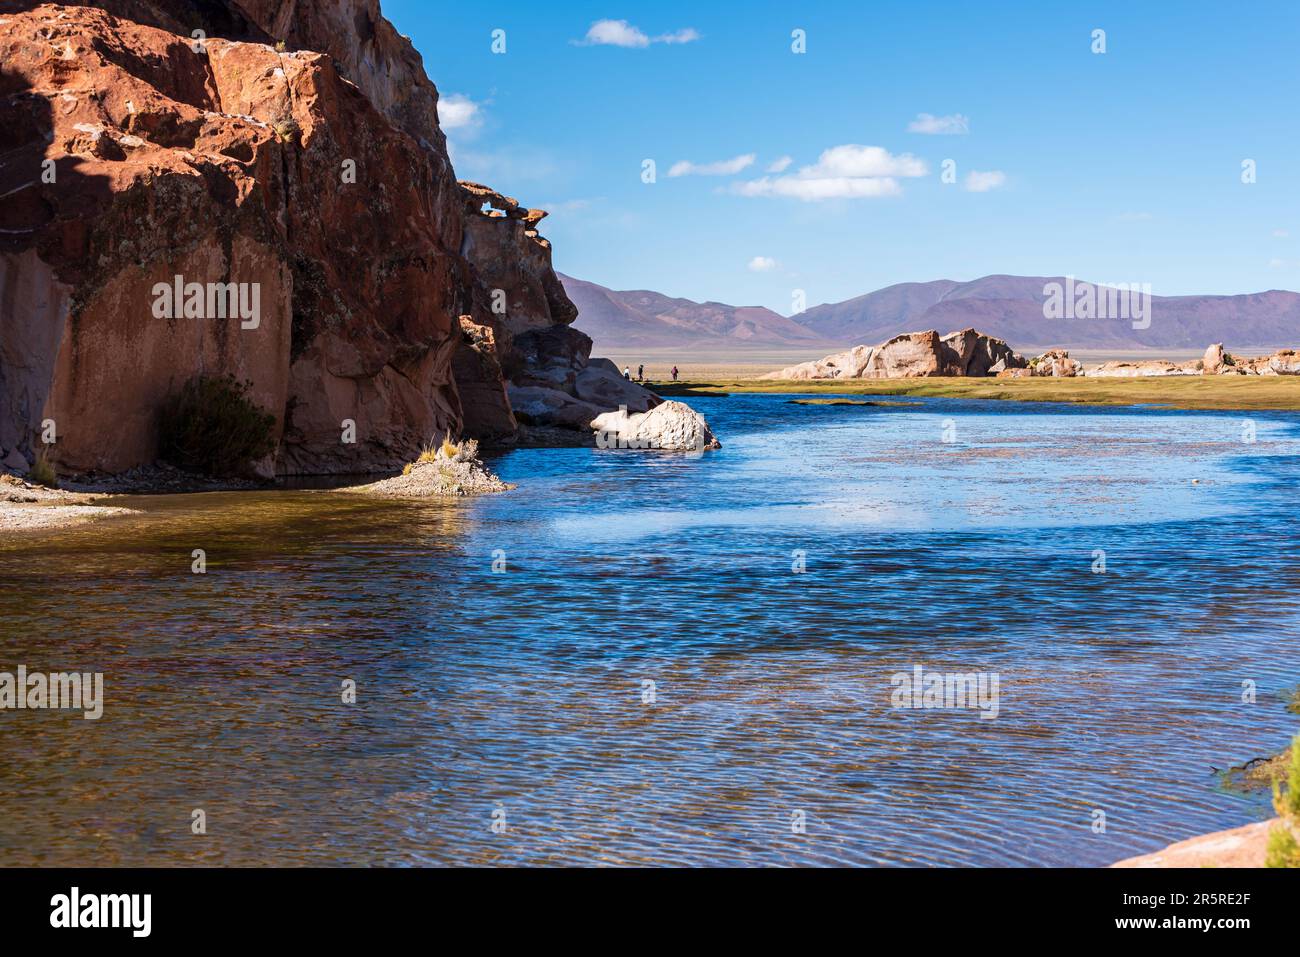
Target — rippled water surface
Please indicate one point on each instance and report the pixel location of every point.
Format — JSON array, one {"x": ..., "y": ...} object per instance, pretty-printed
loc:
[{"x": 520, "y": 692}]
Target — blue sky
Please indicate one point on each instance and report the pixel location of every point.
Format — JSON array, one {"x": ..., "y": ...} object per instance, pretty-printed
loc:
[{"x": 1123, "y": 166}]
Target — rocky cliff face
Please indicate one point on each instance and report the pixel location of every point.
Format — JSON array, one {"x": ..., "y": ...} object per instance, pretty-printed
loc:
[{"x": 268, "y": 197}]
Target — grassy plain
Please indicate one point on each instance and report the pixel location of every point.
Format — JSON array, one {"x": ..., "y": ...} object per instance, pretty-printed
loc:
[{"x": 1244, "y": 393}]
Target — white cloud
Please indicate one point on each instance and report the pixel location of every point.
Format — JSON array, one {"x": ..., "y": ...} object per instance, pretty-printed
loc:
[
  {"x": 720, "y": 168},
  {"x": 977, "y": 182},
  {"x": 620, "y": 33},
  {"x": 841, "y": 172},
  {"x": 928, "y": 123},
  {"x": 457, "y": 111},
  {"x": 1277, "y": 264},
  {"x": 686, "y": 35},
  {"x": 762, "y": 264},
  {"x": 855, "y": 161},
  {"x": 781, "y": 165},
  {"x": 813, "y": 190},
  {"x": 1281, "y": 234}
]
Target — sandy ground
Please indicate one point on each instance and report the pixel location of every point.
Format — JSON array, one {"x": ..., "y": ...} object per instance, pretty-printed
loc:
[
  {"x": 25, "y": 507},
  {"x": 697, "y": 365}
]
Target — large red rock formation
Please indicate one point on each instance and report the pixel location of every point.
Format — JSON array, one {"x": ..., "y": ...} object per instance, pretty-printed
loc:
[{"x": 290, "y": 148}]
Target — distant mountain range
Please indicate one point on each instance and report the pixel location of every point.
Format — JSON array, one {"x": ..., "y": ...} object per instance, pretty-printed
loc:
[
  {"x": 1008, "y": 307},
  {"x": 639, "y": 318}
]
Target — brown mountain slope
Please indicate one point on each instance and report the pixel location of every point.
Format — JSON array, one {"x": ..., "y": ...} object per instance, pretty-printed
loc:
[
  {"x": 1006, "y": 307},
  {"x": 643, "y": 319},
  {"x": 1011, "y": 308}
]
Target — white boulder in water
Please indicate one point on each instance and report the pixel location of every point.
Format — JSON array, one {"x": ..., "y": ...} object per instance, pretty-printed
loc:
[{"x": 670, "y": 426}]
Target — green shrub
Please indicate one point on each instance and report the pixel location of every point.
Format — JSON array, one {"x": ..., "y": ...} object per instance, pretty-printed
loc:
[
  {"x": 212, "y": 427},
  {"x": 43, "y": 472},
  {"x": 1283, "y": 848}
]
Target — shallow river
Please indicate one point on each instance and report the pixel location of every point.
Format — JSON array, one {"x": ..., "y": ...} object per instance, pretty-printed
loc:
[{"x": 503, "y": 651}]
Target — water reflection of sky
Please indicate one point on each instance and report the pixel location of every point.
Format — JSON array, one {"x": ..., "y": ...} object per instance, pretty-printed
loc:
[
  {"x": 820, "y": 467},
  {"x": 1120, "y": 691}
]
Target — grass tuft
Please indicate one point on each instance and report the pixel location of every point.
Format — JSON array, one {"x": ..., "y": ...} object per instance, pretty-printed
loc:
[
  {"x": 286, "y": 129},
  {"x": 43, "y": 472}
]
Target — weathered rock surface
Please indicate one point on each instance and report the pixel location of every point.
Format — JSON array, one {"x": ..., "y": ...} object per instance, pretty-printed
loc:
[
  {"x": 296, "y": 152},
  {"x": 553, "y": 382},
  {"x": 601, "y": 384},
  {"x": 1145, "y": 367},
  {"x": 912, "y": 355},
  {"x": 476, "y": 367},
  {"x": 1214, "y": 360},
  {"x": 670, "y": 426},
  {"x": 538, "y": 405},
  {"x": 226, "y": 162},
  {"x": 979, "y": 355},
  {"x": 1239, "y": 847},
  {"x": 1284, "y": 362},
  {"x": 1056, "y": 363}
]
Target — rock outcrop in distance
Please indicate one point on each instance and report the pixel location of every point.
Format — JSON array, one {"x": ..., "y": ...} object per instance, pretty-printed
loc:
[
  {"x": 1057, "y": 362},
  {"x": 1218, "y": 362},
  {"x": 913, "y": 355},
  {"x": 261, "y": 190},
  {"x": 970, "y": 353}
]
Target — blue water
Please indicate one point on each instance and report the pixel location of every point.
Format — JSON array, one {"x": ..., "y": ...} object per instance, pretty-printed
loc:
[{"x": 521, "y": 692}]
